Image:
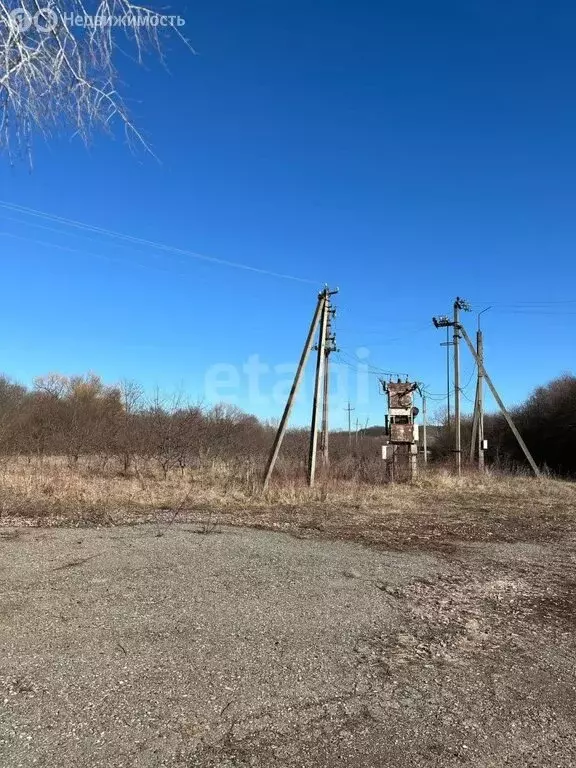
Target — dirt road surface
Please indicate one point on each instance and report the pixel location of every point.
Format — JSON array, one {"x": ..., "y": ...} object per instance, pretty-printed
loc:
[{"x": 145, "y": 647}]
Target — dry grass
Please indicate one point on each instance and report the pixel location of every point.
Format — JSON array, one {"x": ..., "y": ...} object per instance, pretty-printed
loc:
[{"x": 436, "y": 510}]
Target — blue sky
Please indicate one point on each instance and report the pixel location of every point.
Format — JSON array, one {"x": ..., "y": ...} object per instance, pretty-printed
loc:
[{"x": 405, "y": 152}]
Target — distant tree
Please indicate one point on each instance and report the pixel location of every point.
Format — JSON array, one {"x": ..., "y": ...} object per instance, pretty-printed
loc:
[
  {"x": 547, "y": 422},
  {"x": 127, "y": 440},
  {"x": 12, "y": 400},
  {"x": 92, "y": 411}
]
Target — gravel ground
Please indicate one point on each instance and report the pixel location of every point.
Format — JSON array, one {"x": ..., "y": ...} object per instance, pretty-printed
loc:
[{"x": 141, "y": 647}]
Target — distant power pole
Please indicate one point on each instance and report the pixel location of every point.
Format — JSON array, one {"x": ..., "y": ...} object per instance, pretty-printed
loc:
[
  {"x": 458, "y": 446},
  {"x": 480, "y": 349},
  {"x": 480, "y": 397},
  {"x": 424, "y": 427},
  {"x": 349, "y": 409},
  {"x": 445, "y": 322},
  {"x": 477, "y": 439},
  {"x": 448, "y": 344}
]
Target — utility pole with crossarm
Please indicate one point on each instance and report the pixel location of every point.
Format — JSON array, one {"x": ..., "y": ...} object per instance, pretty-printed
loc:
[{"x": 443, "y": 322}]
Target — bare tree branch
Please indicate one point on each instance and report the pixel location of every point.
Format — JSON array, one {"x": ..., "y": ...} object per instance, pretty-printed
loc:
[{"x": 57, "y": 66}]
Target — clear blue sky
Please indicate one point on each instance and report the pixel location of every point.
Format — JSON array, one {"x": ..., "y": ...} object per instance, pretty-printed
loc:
[{"x": 406, "y": 152}]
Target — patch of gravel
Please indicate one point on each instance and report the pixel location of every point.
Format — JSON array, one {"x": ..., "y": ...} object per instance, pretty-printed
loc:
[
  {"x": 123, "y": 647},
  {"x": 154, "y": 646}
]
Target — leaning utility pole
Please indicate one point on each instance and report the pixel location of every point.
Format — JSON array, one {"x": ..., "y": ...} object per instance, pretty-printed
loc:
[
  {"x": 501, "y": 405},
  {"x": 293, "y": 391}
]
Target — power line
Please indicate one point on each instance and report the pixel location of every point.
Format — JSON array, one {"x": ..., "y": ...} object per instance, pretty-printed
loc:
[
  {"x": 436, "y": 397},
  {"x": 551, "y": 307},
  {"x": 385, "y": 342},
  {"x": 465, "y": 387},
  {"x": 539, "y": 303},
  {"x": 147, "y": 243},
  {"x": 355, "y": 361},
  {"x": 102, "y": 256},
  {"x": 532, "y": 313},
  {"x": 354, "y": 366}
]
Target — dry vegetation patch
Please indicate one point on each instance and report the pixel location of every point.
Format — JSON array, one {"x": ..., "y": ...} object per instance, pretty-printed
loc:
[{"x": 438, "y": 510}]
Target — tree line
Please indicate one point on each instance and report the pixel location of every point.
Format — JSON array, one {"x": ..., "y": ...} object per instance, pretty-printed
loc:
[
  {"x": 81, "y": 416},
  {"x": 547, "y": 423}
]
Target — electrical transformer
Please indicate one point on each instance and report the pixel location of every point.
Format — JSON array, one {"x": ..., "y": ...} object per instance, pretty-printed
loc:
[{"x": 401, "y": 428}]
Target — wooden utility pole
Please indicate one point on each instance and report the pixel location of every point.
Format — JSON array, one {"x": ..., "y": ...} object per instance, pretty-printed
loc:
[
  {"x": 501, "y": 405},
  {"x": 349, "y": 409},
  {"x": 445, "y": 322},
  {"x": 329, "y": 346},
  {"x": 424, "y": 426},
  {"x": 448, "y": 344},
  {"x": 325, "y": 405},
  {"x": 458, "y": 441},
  {"x": 320, "y": 365},
  {"x": 474, "y": 436},
  {"x": 293, "y": 391},
  {"x": 477, "y": 438},
  {"x": 480, "y": 399}
]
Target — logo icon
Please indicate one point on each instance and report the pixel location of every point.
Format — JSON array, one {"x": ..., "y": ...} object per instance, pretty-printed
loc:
[
  {"x": 21, "y": 19},
  {"x": 46, "y": 20}
]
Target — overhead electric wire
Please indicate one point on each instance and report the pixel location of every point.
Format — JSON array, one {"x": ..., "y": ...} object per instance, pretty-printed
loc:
[
  {"x": 541, "y": 307},
  {"x": 69, "y": 249},
  {"x": 536, "y": 303},
  {"x": 373, "y": 369},
  {"x": 437, "y": 396},
  {"x": 374, "y": 372},
  {"x": 147, "y": 243},
  {"x": 465, "y": 387},
  {"x": 537, "y": 313}
]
